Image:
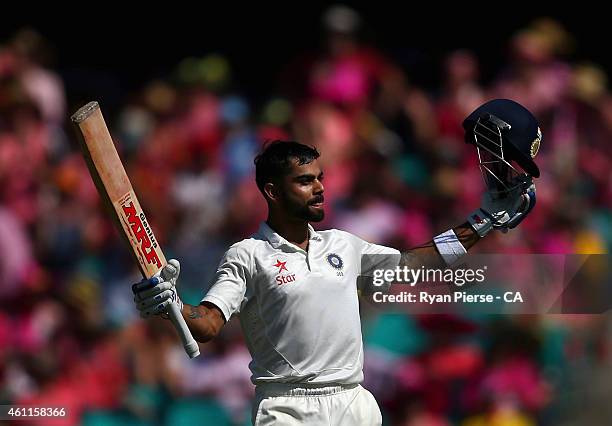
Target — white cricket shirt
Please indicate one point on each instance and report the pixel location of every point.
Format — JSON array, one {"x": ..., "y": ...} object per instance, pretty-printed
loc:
[{"x": 299, "y": 310}]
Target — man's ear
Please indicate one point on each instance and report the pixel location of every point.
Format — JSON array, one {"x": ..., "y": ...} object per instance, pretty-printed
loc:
[{"x": 272, "y": 191}]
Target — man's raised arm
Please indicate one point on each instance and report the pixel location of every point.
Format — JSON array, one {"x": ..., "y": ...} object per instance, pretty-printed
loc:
[
  {"x": 497, "y": 212},
  {"x": 205, "y": 321},
  {"x": 153, "y": 296}
]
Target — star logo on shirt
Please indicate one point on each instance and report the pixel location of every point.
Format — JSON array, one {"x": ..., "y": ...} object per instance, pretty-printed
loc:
[{"x": 281, "y": 265}]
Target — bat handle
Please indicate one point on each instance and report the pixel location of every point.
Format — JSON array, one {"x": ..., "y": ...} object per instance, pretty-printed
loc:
[{"x": 190, "y": 345}]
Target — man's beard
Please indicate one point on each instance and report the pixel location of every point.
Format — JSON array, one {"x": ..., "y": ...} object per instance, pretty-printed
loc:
[
  {"x": 311, "y": 215},
  {"x": 306, "y": 212}
]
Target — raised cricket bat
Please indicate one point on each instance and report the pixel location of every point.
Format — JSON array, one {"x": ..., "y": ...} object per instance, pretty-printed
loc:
[{"x": 116, "y": 190}]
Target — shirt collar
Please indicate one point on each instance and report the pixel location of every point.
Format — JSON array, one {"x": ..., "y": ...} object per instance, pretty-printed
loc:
[{"x": 276, "y": 240}]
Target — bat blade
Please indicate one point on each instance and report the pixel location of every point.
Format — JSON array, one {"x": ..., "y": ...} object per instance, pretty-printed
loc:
[{"x": 114, "y": 187}]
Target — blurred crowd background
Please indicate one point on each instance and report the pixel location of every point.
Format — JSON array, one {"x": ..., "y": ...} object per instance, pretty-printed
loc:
[{"x": 397, "y": 172}]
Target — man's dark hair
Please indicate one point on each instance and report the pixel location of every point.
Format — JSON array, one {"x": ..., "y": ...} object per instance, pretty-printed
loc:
[{"x": 276, "y": 158}]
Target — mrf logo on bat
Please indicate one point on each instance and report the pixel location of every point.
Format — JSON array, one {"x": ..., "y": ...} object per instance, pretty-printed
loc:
[{"x": 135, "y": 224}]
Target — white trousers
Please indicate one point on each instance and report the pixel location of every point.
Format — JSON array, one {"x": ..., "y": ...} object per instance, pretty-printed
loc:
[{"x": 281, "y": 404}]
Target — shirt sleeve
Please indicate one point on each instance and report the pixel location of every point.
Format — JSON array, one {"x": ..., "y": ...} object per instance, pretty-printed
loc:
[
  {"x": 228, "y": 287},
  {"x": 373, "y": 257}
]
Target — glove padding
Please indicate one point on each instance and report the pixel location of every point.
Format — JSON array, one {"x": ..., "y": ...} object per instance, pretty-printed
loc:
[
  {"x": 504, "y": 211},
  {"x": 152, "y": 296}
]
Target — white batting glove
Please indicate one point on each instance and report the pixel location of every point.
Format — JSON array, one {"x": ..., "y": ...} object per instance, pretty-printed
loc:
[
  {"x": 504, "y": 211},
  {"x": 153, "y": 296}
]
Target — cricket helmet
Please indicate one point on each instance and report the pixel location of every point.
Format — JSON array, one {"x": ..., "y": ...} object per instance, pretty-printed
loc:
[{"x": 504, "y": 132}]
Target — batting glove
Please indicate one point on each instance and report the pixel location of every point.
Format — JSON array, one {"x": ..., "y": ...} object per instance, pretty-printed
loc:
[
  {"x": 506, "y": 210},
  {"x": 152, "y": 296}
]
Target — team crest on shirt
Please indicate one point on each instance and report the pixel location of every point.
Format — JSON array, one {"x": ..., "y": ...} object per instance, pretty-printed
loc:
[{"x": 335, "y": 261}]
